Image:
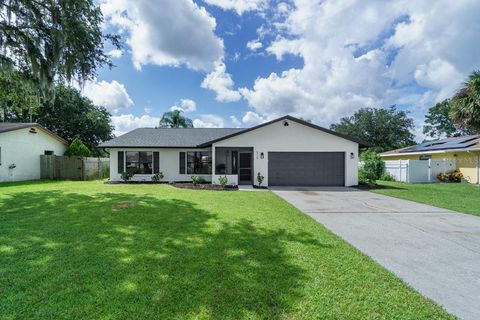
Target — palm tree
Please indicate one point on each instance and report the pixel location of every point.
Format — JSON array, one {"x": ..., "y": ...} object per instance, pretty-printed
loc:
[
  {"x": 175, "y": 119},
  {"x": 465, "y": 110}
]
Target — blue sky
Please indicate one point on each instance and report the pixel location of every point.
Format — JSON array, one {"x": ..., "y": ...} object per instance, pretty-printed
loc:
[{"x": 231, "y": 63}]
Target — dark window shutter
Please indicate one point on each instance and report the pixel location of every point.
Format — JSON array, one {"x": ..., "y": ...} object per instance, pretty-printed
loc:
[
  {"x": 156, "y": 162},
  {"x": 120, "y": 161},
  {"x": 182, "y": 162}
]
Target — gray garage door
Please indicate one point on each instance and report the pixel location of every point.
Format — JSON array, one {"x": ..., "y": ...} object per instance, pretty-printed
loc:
[{"x": 306, "y": 168}]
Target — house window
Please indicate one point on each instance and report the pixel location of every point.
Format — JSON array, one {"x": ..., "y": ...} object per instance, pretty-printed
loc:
[
  {"x": 139, "y": 162},
  {"x": 199, "y": 162},
  {"x": 48, "y": 152},
  {"x": 425, "y": 157}
]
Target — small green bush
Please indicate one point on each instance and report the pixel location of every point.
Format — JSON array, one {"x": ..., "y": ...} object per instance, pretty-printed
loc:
[
  {"x": 454, "y": 176},
  {"x": 127, "y": 175},
  {"x": 196, "y": 180},
  {"x": 157, "y": 177},
  {"x": 77, "y": 148},
  {"x": 223, "y": 181},
  {"x": 372, "y": 168},
  {"x": 387, "y": 177},
  {"x": 260, "y": 179}
]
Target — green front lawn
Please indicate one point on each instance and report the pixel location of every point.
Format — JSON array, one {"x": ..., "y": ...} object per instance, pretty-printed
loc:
[
  {"x": 87, "y": 250},
  {"x": 454, "y": 196}
]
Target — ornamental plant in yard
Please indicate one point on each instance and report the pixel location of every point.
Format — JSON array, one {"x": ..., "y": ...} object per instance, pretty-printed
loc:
[
  {"x": 372, "y": 167},
  {"x": 127, "y": 175},
  {"x": 196, "y": 180},
  {"x": 260, "y": 178},
  {"x": 223, "y": 181},
  {"x": 77, "y": 148},
  {"x": 157, "y": 177},
  {"x": 454, "y": 176}
]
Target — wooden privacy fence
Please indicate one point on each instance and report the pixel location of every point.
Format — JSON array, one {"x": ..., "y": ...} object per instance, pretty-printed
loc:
[{"x": 73, "y": 168}]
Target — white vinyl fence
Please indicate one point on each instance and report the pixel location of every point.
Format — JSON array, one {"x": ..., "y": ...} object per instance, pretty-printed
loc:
[{"x": 415, "y": 171}]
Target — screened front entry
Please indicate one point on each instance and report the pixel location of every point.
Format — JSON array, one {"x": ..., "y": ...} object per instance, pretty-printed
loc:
[{"x": 235, "y": 161}]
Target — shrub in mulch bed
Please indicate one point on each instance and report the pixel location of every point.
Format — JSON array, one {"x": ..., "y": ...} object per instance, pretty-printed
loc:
[
  {"x": 203, "y": 186},
  {"x": 259, "y": 187}
]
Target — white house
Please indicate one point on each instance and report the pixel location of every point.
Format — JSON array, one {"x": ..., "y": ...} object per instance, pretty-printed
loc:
[
  {"x": 21, "y": 145},
  {"x": 286, "y": 151}
]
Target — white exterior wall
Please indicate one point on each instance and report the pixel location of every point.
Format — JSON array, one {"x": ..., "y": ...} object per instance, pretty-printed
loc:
[
  {"x": 169, "y": 164},
  {"x": 295, "y": 137},
  {"x": 23, "y": 149}
]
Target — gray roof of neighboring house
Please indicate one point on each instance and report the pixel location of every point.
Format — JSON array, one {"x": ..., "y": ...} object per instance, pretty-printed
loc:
[
  {"x": 453, "y": 143},
  {"x": 168, "y": 137},
  {"x": 10, "y": 126}
]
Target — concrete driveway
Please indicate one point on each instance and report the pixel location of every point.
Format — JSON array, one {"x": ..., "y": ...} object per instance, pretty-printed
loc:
[{"x": 436, "y": 251}]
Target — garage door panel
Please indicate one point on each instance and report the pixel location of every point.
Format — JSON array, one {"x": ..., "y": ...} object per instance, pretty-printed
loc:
[{"x": 306, "y": 168}]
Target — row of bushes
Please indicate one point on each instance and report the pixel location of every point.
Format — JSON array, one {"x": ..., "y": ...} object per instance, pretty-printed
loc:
[{"x": 196, "y": 180}]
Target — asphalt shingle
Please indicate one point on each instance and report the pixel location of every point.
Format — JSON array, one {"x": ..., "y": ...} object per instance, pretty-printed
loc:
[{"x": 168, "y": 137}]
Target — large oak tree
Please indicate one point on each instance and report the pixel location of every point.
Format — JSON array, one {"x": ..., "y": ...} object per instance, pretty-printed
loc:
[
  {"x": 384, "y": 128},
  {"x": 53, "y": 41}
]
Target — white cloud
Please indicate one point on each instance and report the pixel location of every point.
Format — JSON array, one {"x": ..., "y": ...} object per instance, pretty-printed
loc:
[
  {"x": 252, "y": 119},
  {"x": 115, "y": 53},
  {"x": 236, "y": 123},
  {"x": 222, "y": 83},
  {"x": 127, "y": 122},
  {"x": 170, "y": 32},
  {"x": 111, "y": 95},
  {"x": 367, "y": 53},
  {"x": 240, "y": 6},
  {"x": 254, "y": 45},
  {"x": 208, "y": 121},
  {"x": 185, "y": 105},
  {"x": 439, "y": 75},
  {"x": 147, "y": 110}
]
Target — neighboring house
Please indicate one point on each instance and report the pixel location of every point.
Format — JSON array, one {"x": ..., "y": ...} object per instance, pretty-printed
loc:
[
  {"x": 286, "y": 151},
  {"x": 462, "y": 152},
  {"x": 21, "y": 145}
]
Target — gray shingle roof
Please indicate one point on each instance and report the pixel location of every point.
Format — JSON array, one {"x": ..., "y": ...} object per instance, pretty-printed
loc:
[
  {"x": 168, "y": 137},
  {"x": 10, "y": 126}
]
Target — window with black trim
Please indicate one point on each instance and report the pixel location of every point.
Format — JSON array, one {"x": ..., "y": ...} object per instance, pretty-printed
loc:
[
  {"x": 139, "y": 162},
  {"x": 199, "y": 162}
]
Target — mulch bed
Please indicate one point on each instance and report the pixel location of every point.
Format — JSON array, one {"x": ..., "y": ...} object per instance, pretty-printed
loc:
[{"x": 203, "y": 186}]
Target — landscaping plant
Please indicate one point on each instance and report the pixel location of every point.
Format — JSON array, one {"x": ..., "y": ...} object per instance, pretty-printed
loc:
[
  {"x": 157, "y": 177},
  {"x": 127, "y": 175},
  {"x": 454, "y": 176},
  {"x": 372, "y": 168},
  {"x": 260, "y": 178},
  {"x": 196, "y": 180},
  {"x": 77, "y": 148},
  {"x": 223, "y": 181}
]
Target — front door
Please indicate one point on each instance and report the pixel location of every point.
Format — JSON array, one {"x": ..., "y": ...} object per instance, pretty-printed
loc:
[{"x": 245, "y": 168}]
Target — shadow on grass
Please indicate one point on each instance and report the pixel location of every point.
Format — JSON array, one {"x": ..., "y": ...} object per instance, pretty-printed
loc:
[{"x": 115, "y": 255}]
